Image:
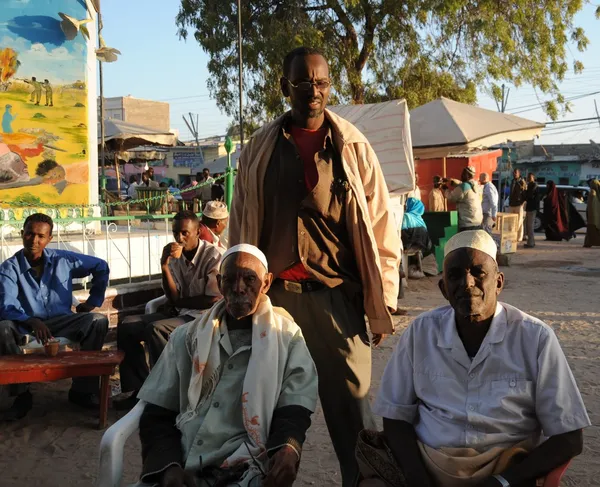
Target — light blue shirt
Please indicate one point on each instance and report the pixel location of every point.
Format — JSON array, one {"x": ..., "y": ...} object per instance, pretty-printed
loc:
[
  {"x": 490, "y": 200},
  {"x": 218, "y": 430},
  {"x": 23, "y": 297},
  {"x": 518, "y": 386}
]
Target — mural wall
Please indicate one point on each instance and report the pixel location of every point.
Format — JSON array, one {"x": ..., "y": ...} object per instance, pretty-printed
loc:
[{"x": 48, "y": 141}]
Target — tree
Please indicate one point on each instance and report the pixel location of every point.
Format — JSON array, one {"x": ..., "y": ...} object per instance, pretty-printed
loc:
[
  {"x": 233, "y": 129},
  {"x": 378, "y": 49}
]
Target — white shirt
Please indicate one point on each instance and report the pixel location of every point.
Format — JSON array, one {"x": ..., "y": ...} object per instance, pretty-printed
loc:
[
  {"x": 132, "y": 190},
  {"x": 518, "y": 383},
  {"x": 489, "y": 204},
  {"x": 197, "y": 277}
]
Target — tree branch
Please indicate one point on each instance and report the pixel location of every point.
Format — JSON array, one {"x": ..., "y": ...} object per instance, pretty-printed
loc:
[
  {"x": 370, "y": 27},
  {"x": 344, "y": 20}
]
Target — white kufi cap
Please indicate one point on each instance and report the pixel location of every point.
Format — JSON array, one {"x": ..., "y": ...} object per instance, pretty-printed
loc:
[
  {"x": 472, "y": 239},
  {"x": 247, "y": 249}
]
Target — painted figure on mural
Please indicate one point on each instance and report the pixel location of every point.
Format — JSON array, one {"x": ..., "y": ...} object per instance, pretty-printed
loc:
[
  {"x": 36, "y": 94},
  {"x": 7, "y": 120},
  {"x": 48, "y": 90}
]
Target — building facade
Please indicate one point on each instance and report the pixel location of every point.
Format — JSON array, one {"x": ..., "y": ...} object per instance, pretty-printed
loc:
[{"x": 147, "y": 113}]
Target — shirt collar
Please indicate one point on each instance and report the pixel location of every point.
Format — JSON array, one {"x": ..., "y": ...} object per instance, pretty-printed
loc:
[
  {"x": 197, "y": 255},
  {"x": 449, "y": 338},
  {"x": 24, "y": 265},
  {"x": 286, "y": 130}
]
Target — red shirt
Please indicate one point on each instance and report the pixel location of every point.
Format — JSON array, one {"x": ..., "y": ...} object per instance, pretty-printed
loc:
[{"x": 308, "y": 143}]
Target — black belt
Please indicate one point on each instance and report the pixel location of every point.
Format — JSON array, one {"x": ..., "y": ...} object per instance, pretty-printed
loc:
[{"x": 302, "y": 286}]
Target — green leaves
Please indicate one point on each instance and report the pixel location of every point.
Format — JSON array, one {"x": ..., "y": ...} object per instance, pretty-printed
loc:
[{"x": 384, "y": 49}]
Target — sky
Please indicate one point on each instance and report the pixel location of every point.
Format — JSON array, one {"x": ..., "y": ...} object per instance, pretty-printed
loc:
[{"x": 157, "y": 65}]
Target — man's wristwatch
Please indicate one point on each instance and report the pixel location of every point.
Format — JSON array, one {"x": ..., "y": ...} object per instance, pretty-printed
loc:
[{"x": 502, "y": 480}]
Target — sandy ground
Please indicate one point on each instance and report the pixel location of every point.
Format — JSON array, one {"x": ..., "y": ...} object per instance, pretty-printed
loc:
[{"x": 57, "y": 445}]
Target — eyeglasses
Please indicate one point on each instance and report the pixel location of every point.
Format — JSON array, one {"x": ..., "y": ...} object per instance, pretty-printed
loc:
[{"x": 321, "y": 84}]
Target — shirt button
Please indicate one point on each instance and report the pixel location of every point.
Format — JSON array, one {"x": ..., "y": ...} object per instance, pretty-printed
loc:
[
  {"x": 472, "y": 376},
  {"x": 230, "y": 366},
  {"x": 471, "y": 408},
  {"x": 302, "y": 233},
  {"x": 513, "y": 383},
  {"x": 216, "y": 404},
  {"x": 199, "y": 442}
]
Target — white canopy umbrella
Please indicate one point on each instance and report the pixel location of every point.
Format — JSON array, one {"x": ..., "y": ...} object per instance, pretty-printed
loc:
[
  {"x": 444, "y": 127},
  {"x": 122, "y": 136}
]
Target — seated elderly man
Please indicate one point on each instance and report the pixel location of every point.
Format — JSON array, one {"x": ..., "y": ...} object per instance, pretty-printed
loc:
[
  {"x": 36, "y": 295},
  {"x": 471, "y": 388},
  {"x": 189, "y": 279},
  {"x": 215, "y": 217},
  {"x": 230, "y": 399}
]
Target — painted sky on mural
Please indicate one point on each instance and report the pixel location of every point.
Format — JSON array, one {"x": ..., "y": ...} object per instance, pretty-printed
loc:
[{"x": 43, "y": 48}]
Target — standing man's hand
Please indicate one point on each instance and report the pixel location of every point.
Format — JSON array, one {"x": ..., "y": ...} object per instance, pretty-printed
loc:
[
  {"x": 172, "y": 250},
  {"x": 175, "y": 476},
  {"x": 41, "y": 332},
  {"x": 378, "y": 339},
  {"x": 84, "y": 308},
  {"x": 283, "y": 468}
]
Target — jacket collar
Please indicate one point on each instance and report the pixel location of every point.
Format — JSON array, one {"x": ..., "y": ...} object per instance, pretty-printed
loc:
[{"x": 25, "y": 267}]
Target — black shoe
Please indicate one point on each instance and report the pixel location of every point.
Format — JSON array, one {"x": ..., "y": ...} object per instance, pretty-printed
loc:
[
  {"x": 84, "y": 399},
  {"x": 127, "y": 404},
  {"x": 527, "y": 246},
  {"x": 19, "y": 409}
]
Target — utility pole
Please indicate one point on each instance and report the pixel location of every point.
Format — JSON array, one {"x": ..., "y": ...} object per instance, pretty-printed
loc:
[
  {"x": 102, "y": 135},
  {"x": 597, "y": 114},
  {"x": 504, "y": 102}
]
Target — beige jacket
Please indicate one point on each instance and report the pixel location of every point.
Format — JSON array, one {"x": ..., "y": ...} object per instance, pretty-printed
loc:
[{"x": 371, "y": 225}]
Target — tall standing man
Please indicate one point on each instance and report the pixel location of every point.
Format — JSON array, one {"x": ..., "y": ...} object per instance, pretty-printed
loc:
[
  {"x": 516, "y": 200},
  {"x": 311, "y": 195},
  {"x": 466, "y": 195},
  {"x": 36, "y": 295}
]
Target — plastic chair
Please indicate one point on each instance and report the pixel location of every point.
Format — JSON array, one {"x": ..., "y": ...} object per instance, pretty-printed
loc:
[
  {"x": 153, "y": 305},
  {"x": 553, "y": 478},
  {"x": 112, "y": 447}
]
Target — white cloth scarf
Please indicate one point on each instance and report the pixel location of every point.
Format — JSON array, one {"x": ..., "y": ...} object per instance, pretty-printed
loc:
[{"x": 271, "y": 336}]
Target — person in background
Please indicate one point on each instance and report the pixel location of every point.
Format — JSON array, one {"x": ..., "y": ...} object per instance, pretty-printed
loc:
[
  {"x": 516, "y": 200},
  {"x": 218, "y": 188},
  {"x": 189, "y": 279},
  {"x": 231, "y": 398},
  {"x": 437, "y": 200},
  {"x": 414, "y": 230},
  {"x": 215, "y": 217},
  {"x": 147, "y": 181},
  {"x": 466, "y": 195},
  {"x": 556, "y": 214},
  {"x": 151, "y": 173},
  {"x": 204, "y": 192},
  {"x": 416, "y": 193},
  {"x": 476, "y": 393},
  {"x": 133, "y": 184},
  {"x": 489, "y": 204},
  {"x": 36, "y": 296},
  {"x": 171, "y": 201},
  {"x": 311, "y": 195},
  {"x": 532, "y": 208},
  {"x": 188, "y": 193},
  {"x": 48, "y": 90},
  {"x": 592, "y": 236}
]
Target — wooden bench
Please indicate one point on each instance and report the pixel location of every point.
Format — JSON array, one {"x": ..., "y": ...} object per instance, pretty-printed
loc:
[{"x": 19, "y": 369}]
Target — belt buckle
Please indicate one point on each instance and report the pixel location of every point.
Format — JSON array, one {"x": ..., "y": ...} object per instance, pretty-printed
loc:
[{"x": 292, "y": 287}]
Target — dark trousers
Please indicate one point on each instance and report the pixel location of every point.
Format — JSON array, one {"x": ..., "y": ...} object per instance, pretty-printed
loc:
[
  {"x": 333, "y": 324},
  {"x": 87, "y": 329},
  {"x": 154, "y": 330}
]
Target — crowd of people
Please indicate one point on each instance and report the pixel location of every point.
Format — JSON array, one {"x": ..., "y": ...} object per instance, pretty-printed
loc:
[
  {"x": 250, "y": 336},
  {"x": 478, "y": 206}
]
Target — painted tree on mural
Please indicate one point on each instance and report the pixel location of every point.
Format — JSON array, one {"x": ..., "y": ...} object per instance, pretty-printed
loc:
[
  {"x": 381, "y": 49},
  {"x": 9, "y": 63}
]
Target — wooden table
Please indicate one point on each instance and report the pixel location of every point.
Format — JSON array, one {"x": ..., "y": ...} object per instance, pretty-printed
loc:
[{"x": 18, "y": 369}]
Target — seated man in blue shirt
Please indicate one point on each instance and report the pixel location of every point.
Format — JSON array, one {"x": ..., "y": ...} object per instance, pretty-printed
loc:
[{"x": 36, "y": 293}]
